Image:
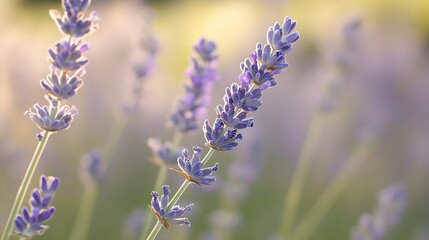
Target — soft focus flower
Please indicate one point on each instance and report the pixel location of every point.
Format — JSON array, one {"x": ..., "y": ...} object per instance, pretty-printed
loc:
[
  {"x": 392, "y": 202},
  {"x": 206, "y": 49},
  {"x": 191, "y": 168},
  {"x": 172, "y": 216},
  {"x": 165, "y": 152},
  {"x": 30, "y": 222},
  {"x": 92, "y": 165},
  {"x": 202, "y": 74},
  {"x": 134, "y": 223},
  {"x": 51, "y": 118}
]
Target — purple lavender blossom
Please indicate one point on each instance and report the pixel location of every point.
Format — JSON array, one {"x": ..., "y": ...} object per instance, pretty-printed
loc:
[
  {"x": 392, "y": 202},
  {"x": 243, "y": 98},
  {"x": 68, "y": 56},
  {"x": 92, "y": 165},
  {"x": 191, "y": 168},
  {"x": 219, "y": 137},
  {"x": 174, "y": 215},
  {"x": 257, "y": 75},
  {"x": 202, "y": 74},
  {"x": 51, "y": 118},
  {"x": 30, "y": 222},
  {"x": 165, "y": 153},
  {"x": 233, "y": 119},
  {"x": 73, "y": 22},
  {"x": 60, "y": 85}
]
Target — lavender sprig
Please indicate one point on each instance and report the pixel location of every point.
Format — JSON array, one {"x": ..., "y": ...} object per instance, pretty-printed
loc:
[
  {"x": 66, "y": 69},
  {"x": 31, "y": 222},
  {"x": 257, "y": 75},
  {"x": 189, "y": 110}
]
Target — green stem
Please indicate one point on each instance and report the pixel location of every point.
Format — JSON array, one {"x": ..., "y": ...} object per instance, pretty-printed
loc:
[
  {"x": 85, "y": 211},
  {"x": 115, "y": 136},
  {"x": 329, "y": 196},
  {"x": 293, "y": 195},
  {"x": 83, "y": 219},
  {"x": 177, "y": 196},
  {"x": 24, "y": 184}
]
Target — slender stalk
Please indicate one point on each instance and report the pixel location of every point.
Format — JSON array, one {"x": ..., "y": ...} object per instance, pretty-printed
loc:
[
  {"x": 114, "y": 137},
  {"x": 83, "y": 219},
  {"x": 329, "y": 196},
  {"x": 85, "y": 210},
  {"x": 24, "y": 184},
  {"x": 293, "y": 195}
]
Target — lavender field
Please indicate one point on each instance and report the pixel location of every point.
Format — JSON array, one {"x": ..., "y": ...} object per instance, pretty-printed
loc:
[{"x": 279, "y": 120}]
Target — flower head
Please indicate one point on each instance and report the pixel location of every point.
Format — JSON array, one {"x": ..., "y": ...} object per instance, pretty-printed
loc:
[
  {"x": 52, "y": 118},
  {"x": 68, "y": 56},
  {"x": 192, "y": 168},
  {"x": 219, "y": 138},
  {"x": 62, "y": 86},
  {"x": 282, "y": 37},
  {"x": 30, "y": 222},
  {"x": 233, "y": 118},
  {"x": 73, "y": 22},
  {"x": 206, "y": 49},
  {"x": 243, "y": 98},
  {"x": 172, "y": 216}
]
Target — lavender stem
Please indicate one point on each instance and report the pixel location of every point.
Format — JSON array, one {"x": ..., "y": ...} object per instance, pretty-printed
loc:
[{"x": 24, "y": 184}]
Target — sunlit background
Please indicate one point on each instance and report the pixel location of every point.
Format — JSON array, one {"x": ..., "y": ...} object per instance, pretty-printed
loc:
[{"x": 370, "y": 90}]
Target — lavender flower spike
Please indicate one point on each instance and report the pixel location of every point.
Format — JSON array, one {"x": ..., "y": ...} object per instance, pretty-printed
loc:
[
  {"x": 257, "y": 75},
  {"x": 51, "y": 118},
  {"x": 30, "y": 222},
  {"x": 174, "y": 215},
  {"x": 392, "y": 202},
  {"x": 191, "y": 168}
]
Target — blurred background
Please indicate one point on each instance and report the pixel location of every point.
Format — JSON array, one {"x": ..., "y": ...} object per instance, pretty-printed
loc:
[{"x": 366, "y": 82}]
